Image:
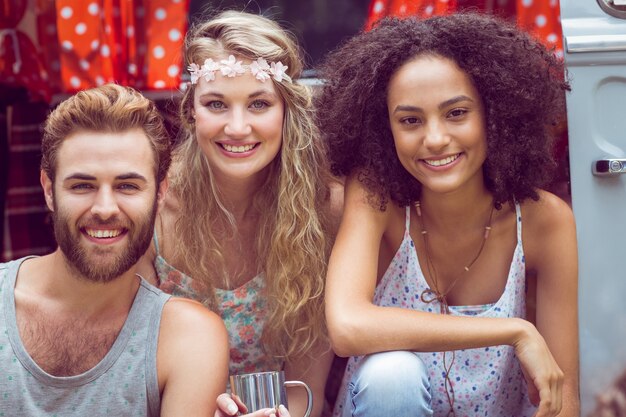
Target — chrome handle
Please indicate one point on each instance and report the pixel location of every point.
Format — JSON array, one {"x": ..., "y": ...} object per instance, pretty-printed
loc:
[
  {"x": 309, "y": 395},
  {"x": 595, "y": 43},
  {"x": 608, "y": 167}
]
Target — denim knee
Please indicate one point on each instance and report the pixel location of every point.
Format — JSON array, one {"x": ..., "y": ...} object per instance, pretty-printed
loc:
[{"x": 391, "y": 384}]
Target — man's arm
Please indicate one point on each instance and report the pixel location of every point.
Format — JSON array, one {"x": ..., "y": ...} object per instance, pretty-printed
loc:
[{"x": 192, "y": 359}]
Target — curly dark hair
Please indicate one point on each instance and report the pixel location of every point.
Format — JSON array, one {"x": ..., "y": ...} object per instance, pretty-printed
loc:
[{"x": 522, "y": 86}]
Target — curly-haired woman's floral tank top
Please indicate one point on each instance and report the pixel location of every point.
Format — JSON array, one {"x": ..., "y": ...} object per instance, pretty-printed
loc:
[
  {"x": 488, "y": 382},
  {"x": 243, "y": 309}
]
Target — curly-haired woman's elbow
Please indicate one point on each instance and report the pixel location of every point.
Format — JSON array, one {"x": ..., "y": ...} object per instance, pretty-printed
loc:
[{"x": 343, "y": 336}]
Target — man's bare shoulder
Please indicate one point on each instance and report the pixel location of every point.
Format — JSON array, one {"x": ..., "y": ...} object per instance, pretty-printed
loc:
[
  {"x": 190, "y": 334},
  {"x": 192, "y": 349},
  {"x": 181, "y": 315}
]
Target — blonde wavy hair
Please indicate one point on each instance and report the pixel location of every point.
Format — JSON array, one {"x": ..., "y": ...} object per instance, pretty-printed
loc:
[{"x": 293, "y": 236}]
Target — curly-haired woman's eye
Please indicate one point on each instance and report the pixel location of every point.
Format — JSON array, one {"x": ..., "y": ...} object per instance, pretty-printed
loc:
[
  {"x": 410, "y": 120},
  {"x": 457, "y": 113}
]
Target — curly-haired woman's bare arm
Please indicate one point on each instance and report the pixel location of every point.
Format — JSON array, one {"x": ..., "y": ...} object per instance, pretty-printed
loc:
[
  {"x": 357, "y": 326},
  {"x": 549, "y": 239}
]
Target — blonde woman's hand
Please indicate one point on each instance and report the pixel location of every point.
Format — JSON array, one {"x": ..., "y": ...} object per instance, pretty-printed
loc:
[
  {"x": 543, "y": 376},
  {"x": 231, "y": 405}
]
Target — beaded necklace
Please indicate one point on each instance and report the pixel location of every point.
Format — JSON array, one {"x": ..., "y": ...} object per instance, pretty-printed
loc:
[{"x": 429, "y": 295}]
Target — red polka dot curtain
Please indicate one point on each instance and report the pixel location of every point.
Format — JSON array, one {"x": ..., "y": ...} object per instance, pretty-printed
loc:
[
  {"x": 131, "y": 42},
  {"x": 63, "y": 46},
  {"x": 539, "y": 17}
]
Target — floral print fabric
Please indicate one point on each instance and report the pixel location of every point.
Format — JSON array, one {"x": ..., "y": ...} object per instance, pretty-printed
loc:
[
  {"x": 488, "y": 382},
  {"x": 244, "y": 311}
]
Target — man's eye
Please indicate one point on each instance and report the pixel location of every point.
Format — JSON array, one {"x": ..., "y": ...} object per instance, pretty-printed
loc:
[
  {"x": 81, "y": 186},
  {"x": 128, "y": 187}
]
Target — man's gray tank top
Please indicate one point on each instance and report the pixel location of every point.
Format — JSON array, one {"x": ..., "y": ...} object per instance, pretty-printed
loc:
[{"x": 124, "y": 383}]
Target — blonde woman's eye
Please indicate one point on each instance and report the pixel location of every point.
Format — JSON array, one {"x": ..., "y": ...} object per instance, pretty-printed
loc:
[
  {"x": 259, "y": 104},
  {"x": 215, "y": 105}
]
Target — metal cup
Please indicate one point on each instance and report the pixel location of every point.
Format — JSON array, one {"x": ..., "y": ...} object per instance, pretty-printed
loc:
[{"x": 266, "y": 390}]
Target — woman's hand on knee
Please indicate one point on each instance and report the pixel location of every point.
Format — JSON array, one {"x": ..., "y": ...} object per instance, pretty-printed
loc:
[
  {"x": 543, "y": 375},
  {"x": 231, "y": 405}
]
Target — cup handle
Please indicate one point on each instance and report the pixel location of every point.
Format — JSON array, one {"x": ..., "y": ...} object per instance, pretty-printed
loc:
[{"x": 309, "y": 395}]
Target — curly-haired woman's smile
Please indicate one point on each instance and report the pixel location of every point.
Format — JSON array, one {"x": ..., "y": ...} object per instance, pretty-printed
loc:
[{"x": 437, "y": 120}]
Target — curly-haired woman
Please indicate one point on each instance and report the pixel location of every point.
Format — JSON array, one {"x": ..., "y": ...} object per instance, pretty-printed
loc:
[
  {"x": 453, "y": 279},
  {"x": 248, "y": 223}
]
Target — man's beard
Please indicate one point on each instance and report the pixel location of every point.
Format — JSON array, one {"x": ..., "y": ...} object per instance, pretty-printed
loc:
[{"x": 110, "y": 266}]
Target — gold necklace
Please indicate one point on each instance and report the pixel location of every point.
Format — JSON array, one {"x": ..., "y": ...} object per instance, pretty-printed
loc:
[{"x": 429, "y": 295}]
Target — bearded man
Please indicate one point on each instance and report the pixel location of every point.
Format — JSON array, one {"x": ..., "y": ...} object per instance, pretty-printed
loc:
[{"x": 80, "y": 332}]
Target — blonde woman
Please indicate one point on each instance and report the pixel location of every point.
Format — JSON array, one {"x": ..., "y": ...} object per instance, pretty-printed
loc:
[{"x": 247, "y": 225}]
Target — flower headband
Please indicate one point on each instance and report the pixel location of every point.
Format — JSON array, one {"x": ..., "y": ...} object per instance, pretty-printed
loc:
[{"x": 261, "y": 69}]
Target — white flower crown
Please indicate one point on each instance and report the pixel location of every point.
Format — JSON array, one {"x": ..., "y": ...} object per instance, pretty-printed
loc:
[{"x": 261, "y": 69}]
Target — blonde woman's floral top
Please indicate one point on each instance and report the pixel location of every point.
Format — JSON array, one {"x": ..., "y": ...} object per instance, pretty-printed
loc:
[{"x": 243, "y": 309}]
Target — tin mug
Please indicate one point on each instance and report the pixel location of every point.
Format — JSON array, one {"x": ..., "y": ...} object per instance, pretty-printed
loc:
[{"x": 266, "y": 390}]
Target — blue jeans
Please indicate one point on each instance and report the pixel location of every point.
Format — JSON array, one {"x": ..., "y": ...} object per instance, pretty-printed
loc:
[{"x": 393, "y": 384}]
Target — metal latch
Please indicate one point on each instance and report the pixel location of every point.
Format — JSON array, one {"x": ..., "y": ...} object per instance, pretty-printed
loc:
[{"x": 609, "y": 167}]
